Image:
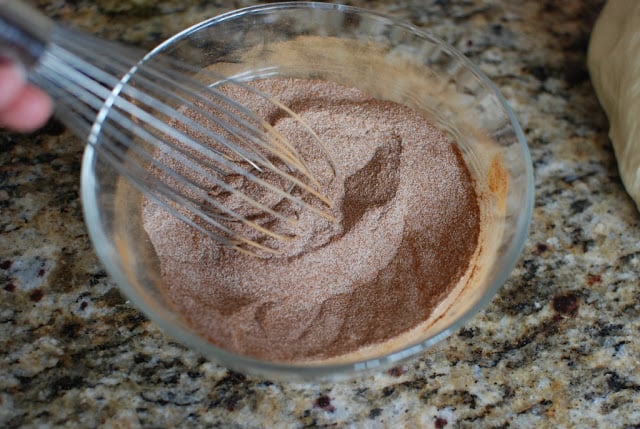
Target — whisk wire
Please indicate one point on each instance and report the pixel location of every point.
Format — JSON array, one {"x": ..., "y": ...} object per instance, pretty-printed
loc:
[
  {"x": 179, "y": 117},
  {"x": 159, "y": 105},
  {"x": 165, "y": 198},
  {"x": 170, "y": 79},
  {"x": 134, "y": 103},
  {"x": 278, "y": 145},
  {"x": 112, "y": 148}
]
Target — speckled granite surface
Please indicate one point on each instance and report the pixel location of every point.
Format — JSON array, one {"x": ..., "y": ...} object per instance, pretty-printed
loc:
[{"x": 556, "y": 348}]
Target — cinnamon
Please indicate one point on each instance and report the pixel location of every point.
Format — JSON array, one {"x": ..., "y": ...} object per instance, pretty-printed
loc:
[{"x": 407, "y": 226}]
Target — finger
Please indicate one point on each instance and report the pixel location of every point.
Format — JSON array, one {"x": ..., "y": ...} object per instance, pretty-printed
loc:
[
  {"x": 30, "y": 110},
  {"x": 12, "y": 81}
]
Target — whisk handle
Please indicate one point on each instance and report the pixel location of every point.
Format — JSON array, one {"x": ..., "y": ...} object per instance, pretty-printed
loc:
[{"x": 24, "y": 32}]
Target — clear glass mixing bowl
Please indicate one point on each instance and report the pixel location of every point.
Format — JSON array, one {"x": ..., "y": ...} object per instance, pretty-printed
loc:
[{"x": 383, "y": 57}]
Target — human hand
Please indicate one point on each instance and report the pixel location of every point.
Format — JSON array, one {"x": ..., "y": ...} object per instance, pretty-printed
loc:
[{"x": 23, "y": 107}]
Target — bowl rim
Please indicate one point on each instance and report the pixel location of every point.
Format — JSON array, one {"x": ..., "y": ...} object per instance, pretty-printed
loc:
[{"x": 302, "y": 370}]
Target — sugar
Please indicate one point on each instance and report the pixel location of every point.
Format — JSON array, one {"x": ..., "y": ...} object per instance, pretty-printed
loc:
[{"x": 407, "y": 226}]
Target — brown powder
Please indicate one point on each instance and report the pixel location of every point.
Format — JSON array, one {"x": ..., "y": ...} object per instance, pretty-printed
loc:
[{"x": 408, "y": 225}]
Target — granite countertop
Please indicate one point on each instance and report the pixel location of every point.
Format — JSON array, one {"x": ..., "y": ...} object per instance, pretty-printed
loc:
[{"x": 556, "y": 348}]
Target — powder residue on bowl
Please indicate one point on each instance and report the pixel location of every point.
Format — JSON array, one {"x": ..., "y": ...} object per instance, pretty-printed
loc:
[{"x": 407, "y": 227}]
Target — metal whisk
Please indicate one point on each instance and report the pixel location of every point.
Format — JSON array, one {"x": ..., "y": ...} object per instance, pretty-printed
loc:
[{"x": 167, "y": 127}]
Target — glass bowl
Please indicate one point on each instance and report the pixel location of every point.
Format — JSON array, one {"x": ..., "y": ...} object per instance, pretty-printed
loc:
[{"x": 388, "y": 60}]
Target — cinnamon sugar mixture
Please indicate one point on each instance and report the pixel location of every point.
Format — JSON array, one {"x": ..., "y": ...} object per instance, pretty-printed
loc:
[{"x": 408, "y": 225}]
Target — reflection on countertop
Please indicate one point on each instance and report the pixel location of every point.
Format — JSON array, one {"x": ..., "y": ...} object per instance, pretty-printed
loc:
[{"x": 556, "y": 347}]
